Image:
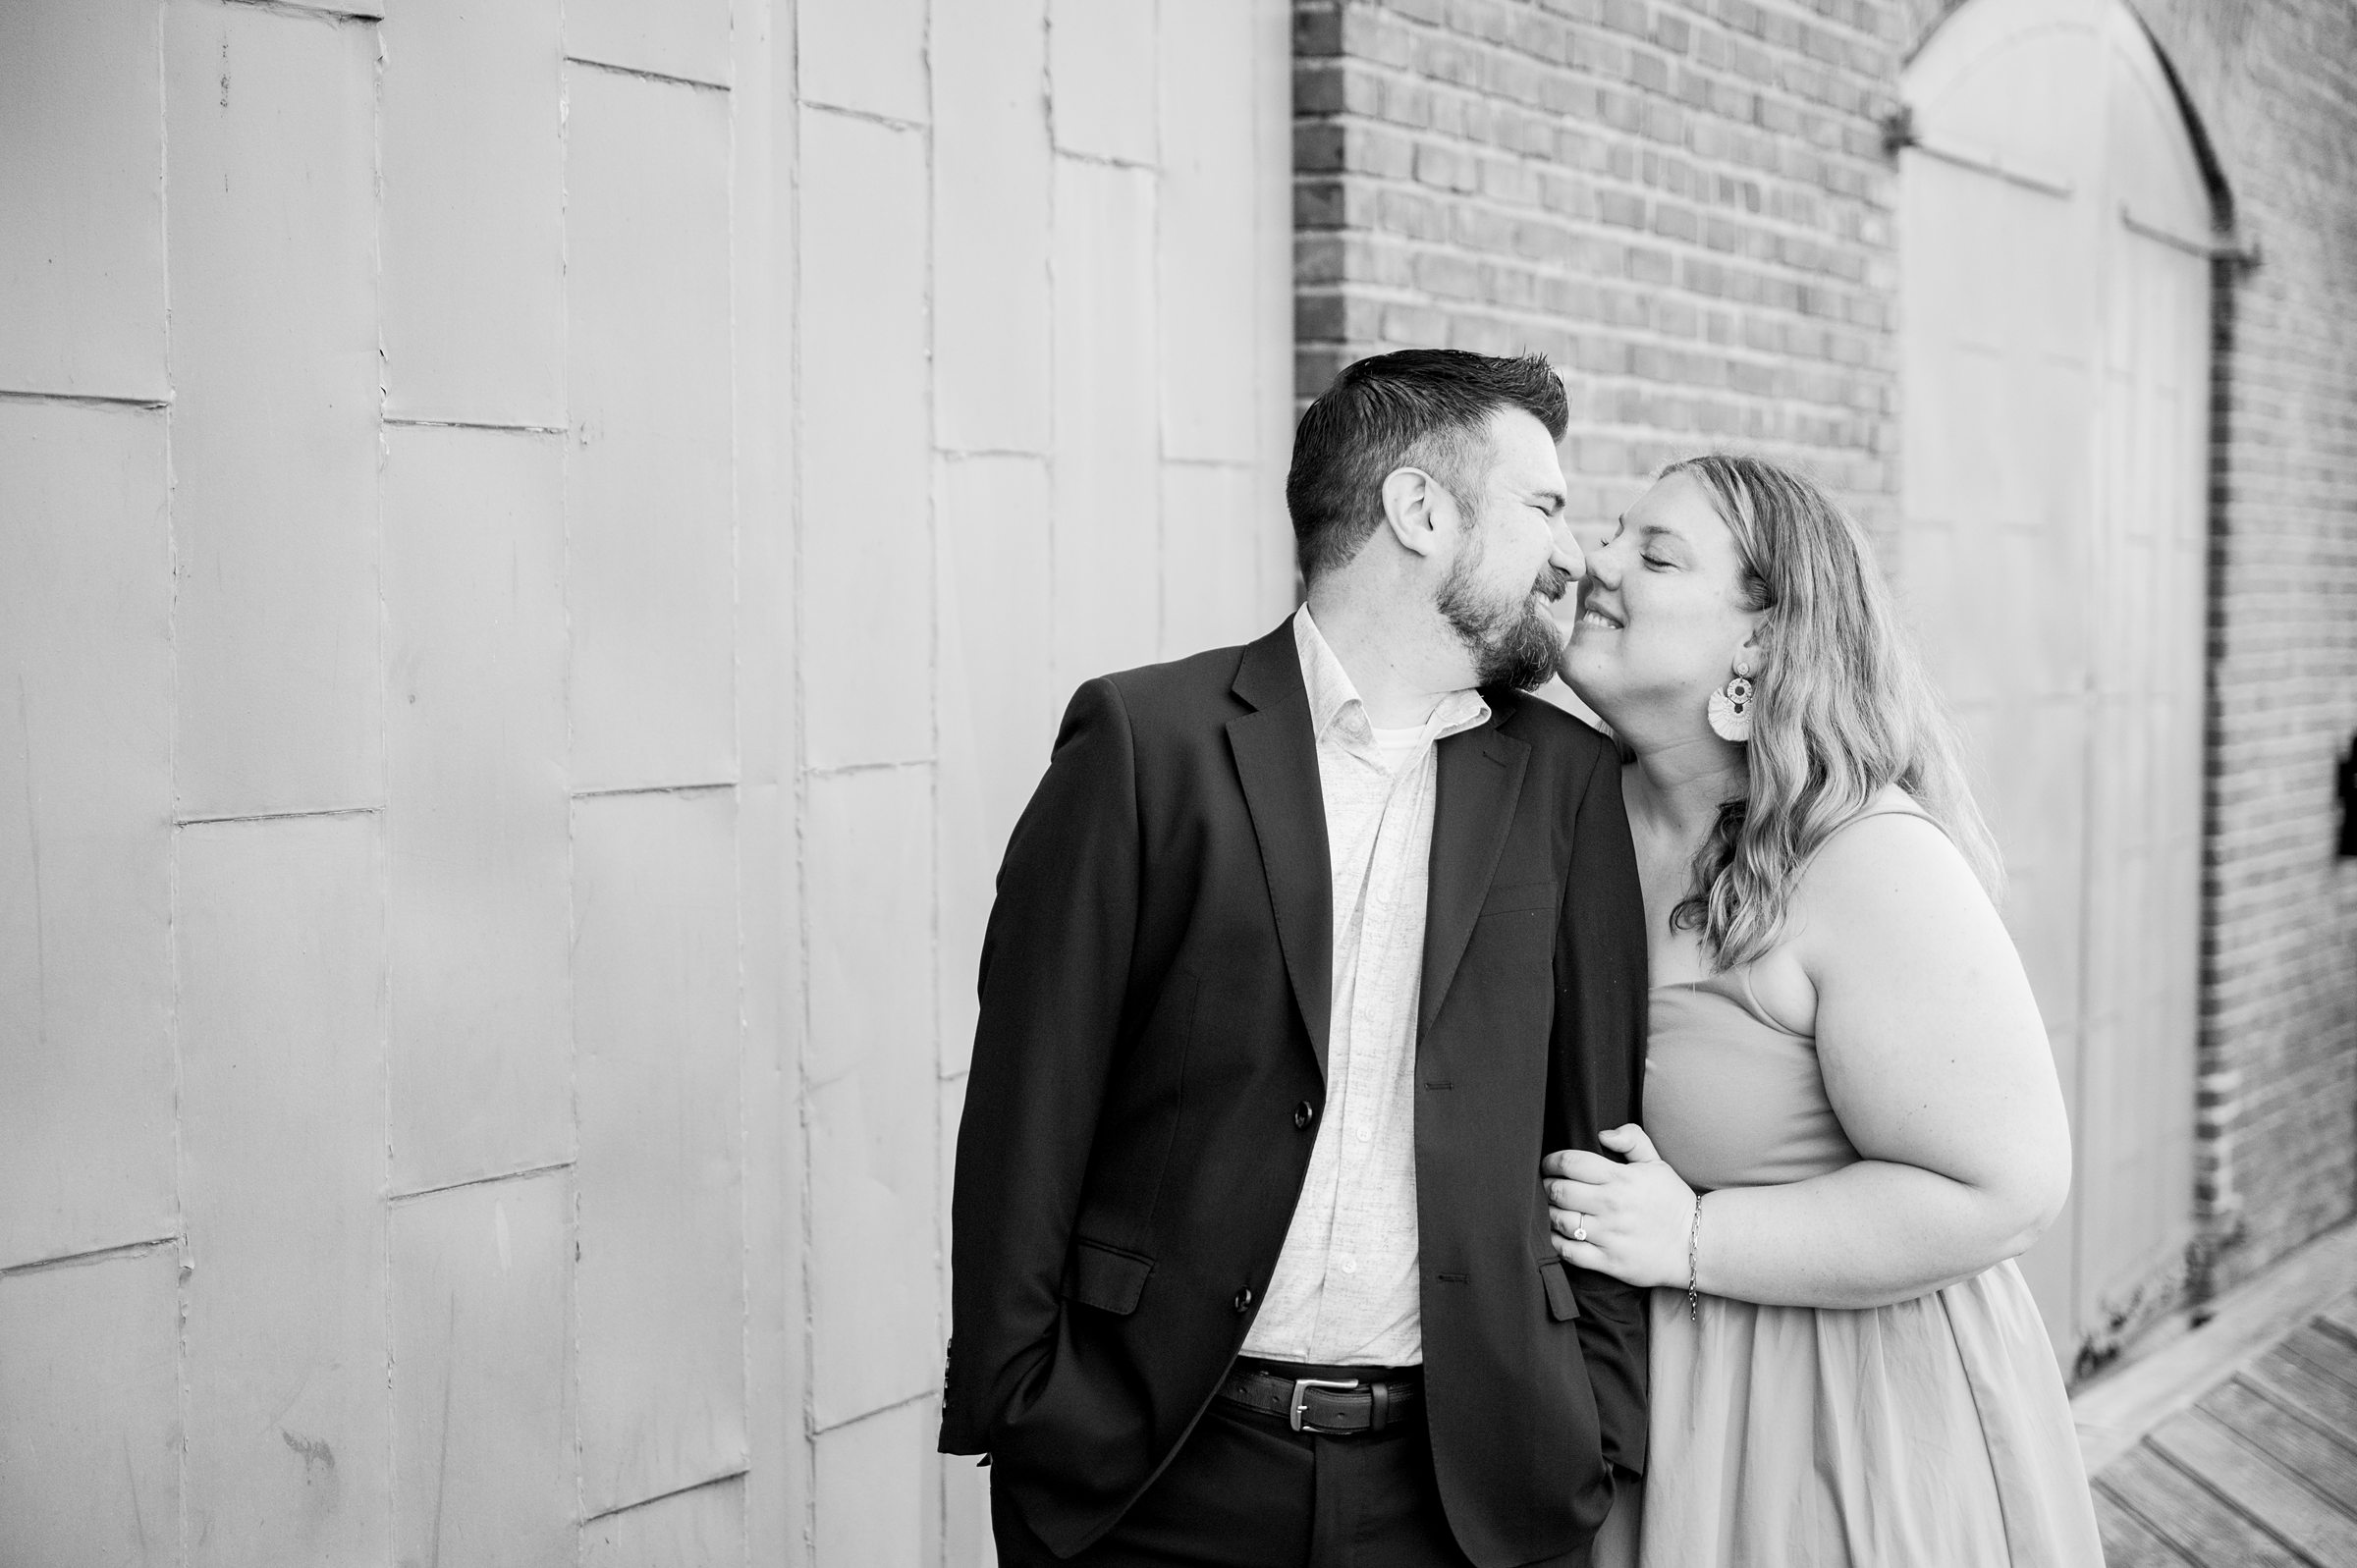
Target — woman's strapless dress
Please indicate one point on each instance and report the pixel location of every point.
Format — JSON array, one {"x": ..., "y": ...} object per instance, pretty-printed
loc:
[{"x": 1932, "y": 1434}]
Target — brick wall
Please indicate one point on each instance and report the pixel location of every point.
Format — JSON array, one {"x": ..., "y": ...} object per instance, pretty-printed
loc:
[
  {"x": 1688, "y": 207},
  {"x": 1687, "y": 204}
]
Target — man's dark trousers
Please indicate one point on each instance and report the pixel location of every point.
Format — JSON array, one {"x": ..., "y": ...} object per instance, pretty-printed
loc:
[
  {"x": 1149, "y": 1072},
  {"x": 1245, "y": 1491}
]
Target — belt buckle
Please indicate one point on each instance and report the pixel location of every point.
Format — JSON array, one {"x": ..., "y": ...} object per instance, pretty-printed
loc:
[{"x": 1301, "y": 1401}]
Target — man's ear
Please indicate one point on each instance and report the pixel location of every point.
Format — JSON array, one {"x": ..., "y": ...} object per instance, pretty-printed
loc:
[{"x": 1417, "y": 509}]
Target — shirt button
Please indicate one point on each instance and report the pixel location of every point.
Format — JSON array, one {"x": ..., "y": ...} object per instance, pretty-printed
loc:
[
  {"x": 1348, "y": 1264},
  {"x": 1302, "y": 1115},
  {"x": 1244, "y": 1299},
  {"x": 1364, "y": 1132}
]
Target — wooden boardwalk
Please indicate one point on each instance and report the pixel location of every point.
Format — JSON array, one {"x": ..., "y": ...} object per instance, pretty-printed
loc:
[{"x": 2237, "y": 1445}]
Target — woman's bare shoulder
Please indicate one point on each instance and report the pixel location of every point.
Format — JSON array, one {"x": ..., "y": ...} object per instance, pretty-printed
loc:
[{"x": 1890, "y": 879}]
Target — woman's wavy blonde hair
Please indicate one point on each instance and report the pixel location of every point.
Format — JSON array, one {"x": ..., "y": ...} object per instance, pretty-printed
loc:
[{"x": 1843, "y": 708}]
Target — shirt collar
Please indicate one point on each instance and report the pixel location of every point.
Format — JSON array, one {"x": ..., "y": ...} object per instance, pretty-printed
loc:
[{"x": 1335, "y": 702}]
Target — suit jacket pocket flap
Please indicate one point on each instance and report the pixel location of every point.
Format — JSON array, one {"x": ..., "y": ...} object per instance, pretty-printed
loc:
[
  {"x": 1518, "y": 899},
  {"x": 1106, "y": 1278},
  {"x": 1562, "y": 1305}
]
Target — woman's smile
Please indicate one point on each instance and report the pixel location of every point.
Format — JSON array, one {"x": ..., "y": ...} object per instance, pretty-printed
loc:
[{"x": 1592, "y": 614}]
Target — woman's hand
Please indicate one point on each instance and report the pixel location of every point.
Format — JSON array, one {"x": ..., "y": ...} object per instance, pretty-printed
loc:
[{"x": 1635, "y": 1215}]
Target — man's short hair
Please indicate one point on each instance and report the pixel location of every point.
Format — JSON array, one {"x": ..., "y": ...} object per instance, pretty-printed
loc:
[{"x": 1423, "y": 408}]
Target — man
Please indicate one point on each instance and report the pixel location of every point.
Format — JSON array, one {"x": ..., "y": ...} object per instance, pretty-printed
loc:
[{"x": 1303, "y": 953}]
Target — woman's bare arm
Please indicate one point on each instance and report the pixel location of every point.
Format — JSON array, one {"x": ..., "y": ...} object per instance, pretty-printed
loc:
[{"x": 1937, "y": 1066}]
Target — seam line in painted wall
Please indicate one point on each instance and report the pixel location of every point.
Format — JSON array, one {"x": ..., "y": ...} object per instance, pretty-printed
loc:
[
  {"x": 1106, "y": 160},
  {"x": 309, "y": 13},
  {"x": 76, "y": 1260},
  {"x": 474, "y": 425},
  {"x": 91, "y": 400},
  {"x": 646, "y": 75},
  {"x": 279, "y": 816},
  {"x": 653, "y": 789},
  {"x": 880, "y": 1410},
  {"x": 890, "y": 121},
  {"x": 479, "y": 1181},
  {"x": 737, "y": 1474},
  {"x": 846, "y": 770}
]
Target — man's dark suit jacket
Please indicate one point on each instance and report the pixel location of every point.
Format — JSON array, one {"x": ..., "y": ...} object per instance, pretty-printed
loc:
[{"x": 1149, "y": 1074}]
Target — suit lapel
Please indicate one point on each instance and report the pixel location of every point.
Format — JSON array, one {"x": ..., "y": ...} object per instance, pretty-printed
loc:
[
  {"x": 1479, "y": 783},
  {"x": 1277, "y": 760}
]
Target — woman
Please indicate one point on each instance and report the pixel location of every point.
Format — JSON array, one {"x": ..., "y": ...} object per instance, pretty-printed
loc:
[{"x": 1853, "y": 1120}]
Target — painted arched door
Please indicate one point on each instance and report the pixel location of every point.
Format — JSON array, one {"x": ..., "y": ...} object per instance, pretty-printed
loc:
[{"x": 2054, "y": 239}]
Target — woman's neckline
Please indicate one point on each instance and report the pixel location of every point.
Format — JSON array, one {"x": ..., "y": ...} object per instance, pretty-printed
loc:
[{"x": 1746, "y": 1004}]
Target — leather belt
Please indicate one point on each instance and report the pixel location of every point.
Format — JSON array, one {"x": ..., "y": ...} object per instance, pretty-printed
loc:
[{"x": 1377, "y": 1399}]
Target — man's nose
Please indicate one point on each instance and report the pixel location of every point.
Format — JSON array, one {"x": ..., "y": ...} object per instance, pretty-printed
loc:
[{"x": 1566, "y": 555}]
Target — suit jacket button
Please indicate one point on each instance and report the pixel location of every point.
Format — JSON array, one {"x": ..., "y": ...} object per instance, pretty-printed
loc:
[
  {"x": 1244, "y": 1299},
  {"x": 1302, "y": 1114}
]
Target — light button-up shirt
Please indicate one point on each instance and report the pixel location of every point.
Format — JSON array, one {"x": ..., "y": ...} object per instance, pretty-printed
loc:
[{"x": 1345, "y": 1291}]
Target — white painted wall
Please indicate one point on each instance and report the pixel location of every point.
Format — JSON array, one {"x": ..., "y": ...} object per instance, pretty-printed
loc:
[{"x": 541, "y": 548}]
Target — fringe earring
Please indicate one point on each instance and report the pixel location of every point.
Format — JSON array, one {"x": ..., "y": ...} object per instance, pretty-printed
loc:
[{"x": 1731, "y": 704}]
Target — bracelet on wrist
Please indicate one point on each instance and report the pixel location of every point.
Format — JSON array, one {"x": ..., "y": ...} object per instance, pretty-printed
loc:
[{"x": 1694, "y": 1262}]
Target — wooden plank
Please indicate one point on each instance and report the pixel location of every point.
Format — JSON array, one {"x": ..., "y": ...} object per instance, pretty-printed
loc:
[
  {"x": 2326, "y": 1402},
  {"x": 474, "y": 212},
  {"x": 2306, "y": 1367},
  {"x": 1107, "y": 525},
  {"x": 870, "y": 1097},
  {"x": 869, "y": 55},
  {"x": 479, "y": 826},
  {"x": 991, "y": 180},
  {"x": 997, "y": 713},
  {"x": 651, "y": 573},
  {"x": 1209, "y": 279},
  {"x": 864, "y": 450},
  {"x": 659, "y": 1299},
  {"x": 686, "y": 38},
  {"x": 2258, "y": 1488},
  {"x": 2341, "y": 1317},
  {"x": 85, "y": 849},
  {"x": 82, "y": 254},
  {"x": 282, "y": 975},
  {"x": 877, "y": 1484},
  {"x": 482, "y": 1375},
  {"x": 2280, "y": 1433},
  {"x": 777, "y": 1360},
  {"x": 89, "y": 1411},
  {"x": 2330, "y": 1355},
  {"x": 2190, "y": 1516},
  {"x": 763, "y": 215},
  {"x": 1100, "y": 80},
  {"x": 271, "y": 200},
  {"x": 2130, "y": 1543},
  {"x": 2118, "y": 1408}
]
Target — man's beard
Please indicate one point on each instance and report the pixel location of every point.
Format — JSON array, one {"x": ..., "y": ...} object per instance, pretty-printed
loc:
[{"x": 1514, "y": 644}]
